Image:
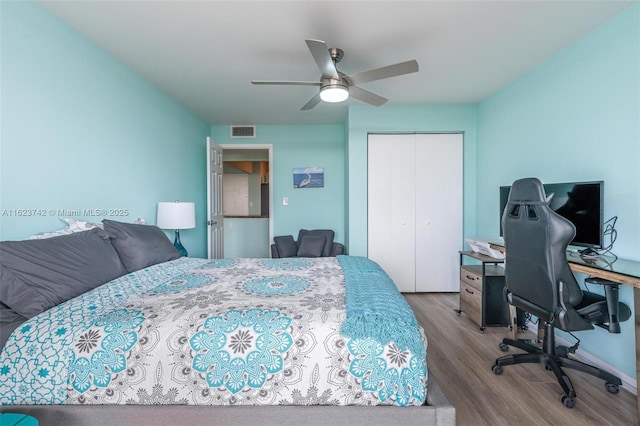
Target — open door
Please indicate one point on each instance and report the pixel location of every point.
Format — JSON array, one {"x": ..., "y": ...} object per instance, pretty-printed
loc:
[
  {"x": 215, "y": 246},
  {"x": 247, "y": 200}
]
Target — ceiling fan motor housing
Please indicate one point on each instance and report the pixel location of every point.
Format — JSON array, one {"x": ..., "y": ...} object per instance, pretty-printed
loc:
[{"x": 334, "y": 82}]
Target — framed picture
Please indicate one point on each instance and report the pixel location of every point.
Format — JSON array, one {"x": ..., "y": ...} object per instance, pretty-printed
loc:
[{"x": 308, "y": 177}]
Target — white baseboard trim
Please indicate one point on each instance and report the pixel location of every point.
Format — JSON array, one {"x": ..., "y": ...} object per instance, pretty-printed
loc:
[{"x": 629, "y": 383}]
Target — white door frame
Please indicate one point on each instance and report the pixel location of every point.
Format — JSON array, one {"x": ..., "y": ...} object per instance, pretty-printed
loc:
[
  {"x": 268, "y": 147},
  {"x": 215, "y": 225}
]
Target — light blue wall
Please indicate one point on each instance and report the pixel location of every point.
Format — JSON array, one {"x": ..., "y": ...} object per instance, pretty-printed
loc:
[
  {"x": 575, "y": 117},
  {"x": 426, "y": 118},
  {"x": 302, "y": 146},
  {"x": 82, "y": 131},
  {"x": 79, "y": 130},
  {"x": 246, "y": 237}
]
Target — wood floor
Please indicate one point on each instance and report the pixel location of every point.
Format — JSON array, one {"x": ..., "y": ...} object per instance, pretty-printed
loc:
[{"x": 460, "y": 359}]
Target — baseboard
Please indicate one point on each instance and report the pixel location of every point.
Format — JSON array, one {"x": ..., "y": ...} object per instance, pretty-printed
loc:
[{"x": 628, "y": 382}]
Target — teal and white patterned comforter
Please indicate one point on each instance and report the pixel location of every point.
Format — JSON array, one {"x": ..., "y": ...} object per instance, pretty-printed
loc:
[{"x": 213, "y": 332}]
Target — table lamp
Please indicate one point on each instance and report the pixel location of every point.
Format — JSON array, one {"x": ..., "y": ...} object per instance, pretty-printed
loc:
[{"x": 177, "y": 215}]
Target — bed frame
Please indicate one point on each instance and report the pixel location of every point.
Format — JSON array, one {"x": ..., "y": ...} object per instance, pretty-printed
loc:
[{"x": 437, "y": 411}]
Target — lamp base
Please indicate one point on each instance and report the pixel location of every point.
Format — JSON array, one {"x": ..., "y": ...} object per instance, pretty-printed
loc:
[{"x": 178, "y": 245}]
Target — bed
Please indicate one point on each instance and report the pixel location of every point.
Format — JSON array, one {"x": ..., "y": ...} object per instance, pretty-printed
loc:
[{"x": 111, "y": 326}]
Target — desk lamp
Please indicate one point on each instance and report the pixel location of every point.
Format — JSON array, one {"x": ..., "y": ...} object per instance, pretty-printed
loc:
[{"x": 178, "y": 215}]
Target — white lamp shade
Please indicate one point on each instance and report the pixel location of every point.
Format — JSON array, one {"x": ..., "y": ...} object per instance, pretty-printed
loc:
[{"x": 176, "y": 215}]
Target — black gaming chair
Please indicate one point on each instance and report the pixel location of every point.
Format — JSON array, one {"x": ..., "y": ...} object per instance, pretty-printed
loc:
[{"x": 539, "y": 281}]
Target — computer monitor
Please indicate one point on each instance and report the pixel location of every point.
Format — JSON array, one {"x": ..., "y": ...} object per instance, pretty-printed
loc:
[{"x": 582, "y": 203}]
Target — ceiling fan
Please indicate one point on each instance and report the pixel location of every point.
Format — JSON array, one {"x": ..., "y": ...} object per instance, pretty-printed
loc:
[{"x": 336, "y": 86}]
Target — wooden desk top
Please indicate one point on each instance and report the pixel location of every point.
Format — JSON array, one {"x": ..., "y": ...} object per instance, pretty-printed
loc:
[
  {"x": 623, "y": 271},
  {"x": 613, "y": 271},
  {"x": 481, "y": 257}
]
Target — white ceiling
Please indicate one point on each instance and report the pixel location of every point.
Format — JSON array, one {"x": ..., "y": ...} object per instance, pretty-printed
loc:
[{"x": 205, "y": 53}]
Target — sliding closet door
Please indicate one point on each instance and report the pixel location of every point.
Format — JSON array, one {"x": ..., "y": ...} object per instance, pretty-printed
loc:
[
  {"x": 415, "y": 209},
  {"x": 438, "y": 211},
  {"x": 391, "y": 206}
]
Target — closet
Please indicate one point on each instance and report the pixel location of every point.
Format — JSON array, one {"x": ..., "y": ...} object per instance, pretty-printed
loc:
[{"x": 415, "y": 208}]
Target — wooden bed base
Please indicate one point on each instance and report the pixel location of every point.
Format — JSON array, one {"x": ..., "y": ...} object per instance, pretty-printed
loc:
[{"x": 437, "y": 411}]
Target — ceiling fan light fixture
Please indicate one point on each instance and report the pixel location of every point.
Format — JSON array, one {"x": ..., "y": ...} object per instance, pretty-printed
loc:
[{"x": 334, "y": 93}]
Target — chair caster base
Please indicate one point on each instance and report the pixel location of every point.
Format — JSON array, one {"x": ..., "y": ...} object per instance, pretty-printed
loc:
[
  {"x": 611, "y": 387},
  {"x": 568, "y": 401}
]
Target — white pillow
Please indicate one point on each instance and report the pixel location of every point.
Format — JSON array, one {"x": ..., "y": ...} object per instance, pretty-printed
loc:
[
  {"x": 43, "y": 235},
  {"x": 73, "y": 225},
  {"x": 76, "y": 225}
]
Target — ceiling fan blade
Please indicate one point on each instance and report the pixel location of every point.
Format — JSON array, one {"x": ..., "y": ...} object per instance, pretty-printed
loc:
[
  {"x": 320, "y": 53},
  {"x": 312, "y": 102},
  {"x": 384, "y": 72},
  {"x": 366, "y": 96},
  {"x": 287, "y": 83}
]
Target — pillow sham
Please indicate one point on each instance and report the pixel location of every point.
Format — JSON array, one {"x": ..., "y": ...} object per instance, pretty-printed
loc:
[
  {"x": 140, "y": 246},
  {"x": 311, "y": 246},
  {"x": 286, "y": 246},
  {"x": 9, "y": 316},
  {"x": 9, "y": 321},
  {"x": 36, "y": 275}
]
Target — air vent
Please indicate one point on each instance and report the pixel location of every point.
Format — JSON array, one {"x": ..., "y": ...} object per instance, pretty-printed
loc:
[{"x": 243, "y": 131}]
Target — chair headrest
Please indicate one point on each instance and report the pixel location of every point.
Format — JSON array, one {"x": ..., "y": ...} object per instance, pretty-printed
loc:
[{"x": 527, "y": 189}]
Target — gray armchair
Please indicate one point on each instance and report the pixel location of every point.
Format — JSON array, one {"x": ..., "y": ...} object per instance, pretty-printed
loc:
[{"x": 313, "y": 243}]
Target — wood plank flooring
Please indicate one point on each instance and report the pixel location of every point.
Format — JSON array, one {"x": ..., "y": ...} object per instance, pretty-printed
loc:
[{"x": 460, "y": 359}]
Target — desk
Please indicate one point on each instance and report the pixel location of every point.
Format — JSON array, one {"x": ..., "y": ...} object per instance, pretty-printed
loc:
[
  {"x": 622, "y": 271},
  {"x": 481, "y": 291}
]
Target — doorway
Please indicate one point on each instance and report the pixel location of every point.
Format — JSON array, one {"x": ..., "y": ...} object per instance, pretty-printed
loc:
[{"x": 247, "y": 200}]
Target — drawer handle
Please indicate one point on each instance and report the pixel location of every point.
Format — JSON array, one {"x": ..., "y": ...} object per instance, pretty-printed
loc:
[
  {"x": 468, "y": 291},
  {"x": 471, "y": 278}
]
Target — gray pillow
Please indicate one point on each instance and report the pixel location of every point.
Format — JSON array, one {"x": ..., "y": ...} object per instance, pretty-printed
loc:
[
  {"x": 36, "y": 275},
  {"x": 9, "y": 321},
  {"x": 327, "y": 233},
  {"x": 8, "y": 315},
  {"x": 286, "y": 246},
  {"x": 140, "y": 246},
  {"x": 311, "y": 246}
]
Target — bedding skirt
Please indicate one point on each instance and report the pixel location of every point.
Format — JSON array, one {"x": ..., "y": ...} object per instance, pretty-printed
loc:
[{"x": 250, "y": 332}]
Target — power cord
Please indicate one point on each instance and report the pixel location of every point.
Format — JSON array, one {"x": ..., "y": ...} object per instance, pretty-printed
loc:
[
  {"x": 610, "y": 231},
  {"x": 561, "y": 349},
  {"x": 591, "y": 255},
  {"x": 574, "y": 348}
]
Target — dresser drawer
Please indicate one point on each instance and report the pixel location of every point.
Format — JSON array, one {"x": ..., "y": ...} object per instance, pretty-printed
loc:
[
  {"x": 471, "y": 302},
  {"x": 471, "y": 277}
]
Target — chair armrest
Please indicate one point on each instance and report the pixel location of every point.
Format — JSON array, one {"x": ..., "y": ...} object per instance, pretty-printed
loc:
[
  {"x": 274, "y": 252},
  {"x": 611, "y": 296},
  {"x": 336, "y": 249}
]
